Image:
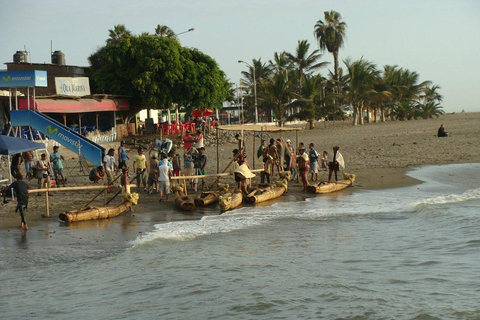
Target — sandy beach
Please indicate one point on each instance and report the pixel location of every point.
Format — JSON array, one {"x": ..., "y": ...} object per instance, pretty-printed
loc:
[{"x": 378, "y": 153}]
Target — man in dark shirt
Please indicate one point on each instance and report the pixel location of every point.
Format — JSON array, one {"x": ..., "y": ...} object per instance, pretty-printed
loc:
[{"x": 21, "y": 191}]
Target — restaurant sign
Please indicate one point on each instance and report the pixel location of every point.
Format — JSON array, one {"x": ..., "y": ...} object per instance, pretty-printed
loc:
[{"x": 78, "y": 86}]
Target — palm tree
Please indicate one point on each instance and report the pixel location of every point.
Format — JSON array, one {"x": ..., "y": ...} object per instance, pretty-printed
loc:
[
  {"x": 304, "y": 62},
  {"x": 276, "y": 92},
  {"x": 280, "y": 62},
  {"x": 262, "y": 72},
  {"x": 165, "y": 31},
  {"x": 362, "y": 75},
  {"x": 430, "y": 109},
  {"x": 119, "y": 31},
  {"x": 330, "y": 35}
]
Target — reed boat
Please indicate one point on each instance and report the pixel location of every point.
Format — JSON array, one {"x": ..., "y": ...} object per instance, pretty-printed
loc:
[
  {"x": 230, "y": 200},
  {"x": 206, "y": 198},
  {"x": 323, "y": 187},
  {"x": 264, "y": 194},
  {"x": 94, "y": 213},
  {"x": 181, "y": 200}
]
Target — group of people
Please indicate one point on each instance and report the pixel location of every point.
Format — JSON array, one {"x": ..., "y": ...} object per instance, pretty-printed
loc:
[
  {"x": 34, "y": 169},
  {"x": 280, "y": 157}
]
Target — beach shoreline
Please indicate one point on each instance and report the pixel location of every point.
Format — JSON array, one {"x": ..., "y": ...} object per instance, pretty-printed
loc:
[{"x": 379, "y": 154}]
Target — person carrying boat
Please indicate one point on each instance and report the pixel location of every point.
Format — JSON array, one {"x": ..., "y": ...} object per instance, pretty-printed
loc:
[
  {"x": 243, "y": 175},
  {"x": 336, "y": 163}
]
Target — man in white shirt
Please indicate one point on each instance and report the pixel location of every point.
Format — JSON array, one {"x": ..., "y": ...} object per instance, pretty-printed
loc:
[
  {"x": 110, "y": 166},
  {"x": 164, "y": 174}
]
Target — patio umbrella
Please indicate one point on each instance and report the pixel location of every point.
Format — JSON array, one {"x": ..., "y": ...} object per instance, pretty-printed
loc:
[{"x": 200, "y": 112}]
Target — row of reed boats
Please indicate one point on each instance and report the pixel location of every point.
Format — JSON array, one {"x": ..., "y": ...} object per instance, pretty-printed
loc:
[{"x": 227, "y": 199}]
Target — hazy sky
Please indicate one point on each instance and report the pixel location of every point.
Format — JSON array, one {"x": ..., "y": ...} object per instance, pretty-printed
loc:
[{"x": 438, "y": 39}]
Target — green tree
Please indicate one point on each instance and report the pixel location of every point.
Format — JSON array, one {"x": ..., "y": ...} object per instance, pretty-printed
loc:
[
  {"x": 330, "y": 35},
  {"x": 276, "y": 93},
  {"x": 303, "y": 62},
  {"x": 119, "y": 31},
  {"x": 156, "y": 72}
]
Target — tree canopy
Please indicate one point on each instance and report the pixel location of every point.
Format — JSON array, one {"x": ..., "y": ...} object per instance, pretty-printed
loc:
[{"x": 155, "y": 71}]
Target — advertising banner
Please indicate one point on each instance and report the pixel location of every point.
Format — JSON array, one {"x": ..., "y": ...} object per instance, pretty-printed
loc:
[
  {"x": 58, "y": 132},
  {"x": 26, "y": 78},
  {"x": 77, "y": 87}
]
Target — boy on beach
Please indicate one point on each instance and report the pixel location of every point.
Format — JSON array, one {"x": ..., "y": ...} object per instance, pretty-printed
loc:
[
  {"x": 313, "y": 157},
  {"x": 21, "y": 191},
  {"x": 176, "y": 161},
  {"x": 43, "y": 167},
  {"x": 56, "y": 158}
]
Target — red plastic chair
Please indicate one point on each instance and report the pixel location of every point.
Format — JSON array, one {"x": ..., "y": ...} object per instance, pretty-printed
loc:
[
  {"x": 192, "y": 127},
  {"x": 166, "y": 128},
  {"x": 174, "y": 128}
]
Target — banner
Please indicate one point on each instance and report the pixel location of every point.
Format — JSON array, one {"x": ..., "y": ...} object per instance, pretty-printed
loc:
[
  {"x": 58, "y": 132},
  {"x": 77, "y": 87},
  {"x": 26, "y": 78}
]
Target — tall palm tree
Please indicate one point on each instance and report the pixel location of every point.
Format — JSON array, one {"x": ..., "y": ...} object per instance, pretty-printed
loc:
[
  {"x": 262, "y": 72},
  {"x": 118, "y": 31},
  {"x": 304, "y": 62},
  {"x": 280, "y": 63},
  {"x": 330, "y": 35},
  {"x": 165, "y": 31}
]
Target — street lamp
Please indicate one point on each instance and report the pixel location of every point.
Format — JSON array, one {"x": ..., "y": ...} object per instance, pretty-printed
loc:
[
  {"x": 189, "y": 30},
  {"x": 254, "y": 87}
]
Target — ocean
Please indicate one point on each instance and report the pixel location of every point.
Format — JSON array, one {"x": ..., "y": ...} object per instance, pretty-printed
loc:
[{"x": 406, "y": 253}]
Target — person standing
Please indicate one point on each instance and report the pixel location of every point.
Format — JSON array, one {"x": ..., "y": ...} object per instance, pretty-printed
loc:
[
  {"x": 188, "y": 140},
  {"x": 21, "y": 191},
  {"x": 29, "y": 164},
  {"x": 15, "y": 165},
  {"x": 153, "y": 172},
  {"x": 122, "y": 156},
  {"x": 336, "y": 163},
  {"x": 110, "y": 166},
  {"x": 241, "y": 145},
  {"x": 56, "y": 158},
  {"x": 176, "y": 161},
  {"x": 188, "y": 165},
  {"x": 290, "y": 158},
  {"x": 164, "y": 177},
  {"x": 313, "y": 157},
  {"x": 200, "y": 164},
  {"x": 140, "y": 168},
  {"x": 199, "y": 140},
  {"x": 43, "y": 167},
  {"x": 303, "y": 164}
]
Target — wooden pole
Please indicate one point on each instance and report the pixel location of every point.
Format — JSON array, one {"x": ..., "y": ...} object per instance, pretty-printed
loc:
[
  {"x": 254, "y": 155},
  {"x": 218, "y": 158},
  {"x": 47, "y": 204},
  {"x": 228, "y": 165},
  {"x": 103, "y": 191}
]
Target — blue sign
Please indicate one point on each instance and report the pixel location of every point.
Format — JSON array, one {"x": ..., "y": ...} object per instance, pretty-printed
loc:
[
  {"x": 60, "y": 133},
  {"x": 26, "y": 78}
]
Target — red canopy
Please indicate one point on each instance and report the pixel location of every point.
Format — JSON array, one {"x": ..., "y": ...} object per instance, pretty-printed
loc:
[{"x": 200, "y": 112}]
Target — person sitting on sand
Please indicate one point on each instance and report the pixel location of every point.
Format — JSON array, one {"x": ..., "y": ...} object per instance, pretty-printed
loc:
[
  {"x": 441, "y": 132},
  {"x": 336, "y": 163},
  {"x": 21, "y": 191}
]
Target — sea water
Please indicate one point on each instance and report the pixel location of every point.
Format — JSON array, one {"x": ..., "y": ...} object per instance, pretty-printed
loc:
[{"x": 407, "y": 253}]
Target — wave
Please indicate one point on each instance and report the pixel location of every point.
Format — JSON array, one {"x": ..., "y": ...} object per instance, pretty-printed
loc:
[{"x": 468, "y": 195}]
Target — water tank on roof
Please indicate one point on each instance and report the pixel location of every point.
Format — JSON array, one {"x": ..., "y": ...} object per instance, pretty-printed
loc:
[
  {"x": 20, "y": 56},
  {"x": 58, "y": 57}
]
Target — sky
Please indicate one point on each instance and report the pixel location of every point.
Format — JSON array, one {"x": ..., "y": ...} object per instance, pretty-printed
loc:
[{"x": 438, "y": 39}]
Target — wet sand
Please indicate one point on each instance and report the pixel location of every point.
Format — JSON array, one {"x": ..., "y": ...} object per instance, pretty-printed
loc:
[{"x": 378, "y": 153}]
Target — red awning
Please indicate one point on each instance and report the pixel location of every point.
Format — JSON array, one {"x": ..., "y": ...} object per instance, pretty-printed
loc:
[{"x": 74, "y": 106}]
